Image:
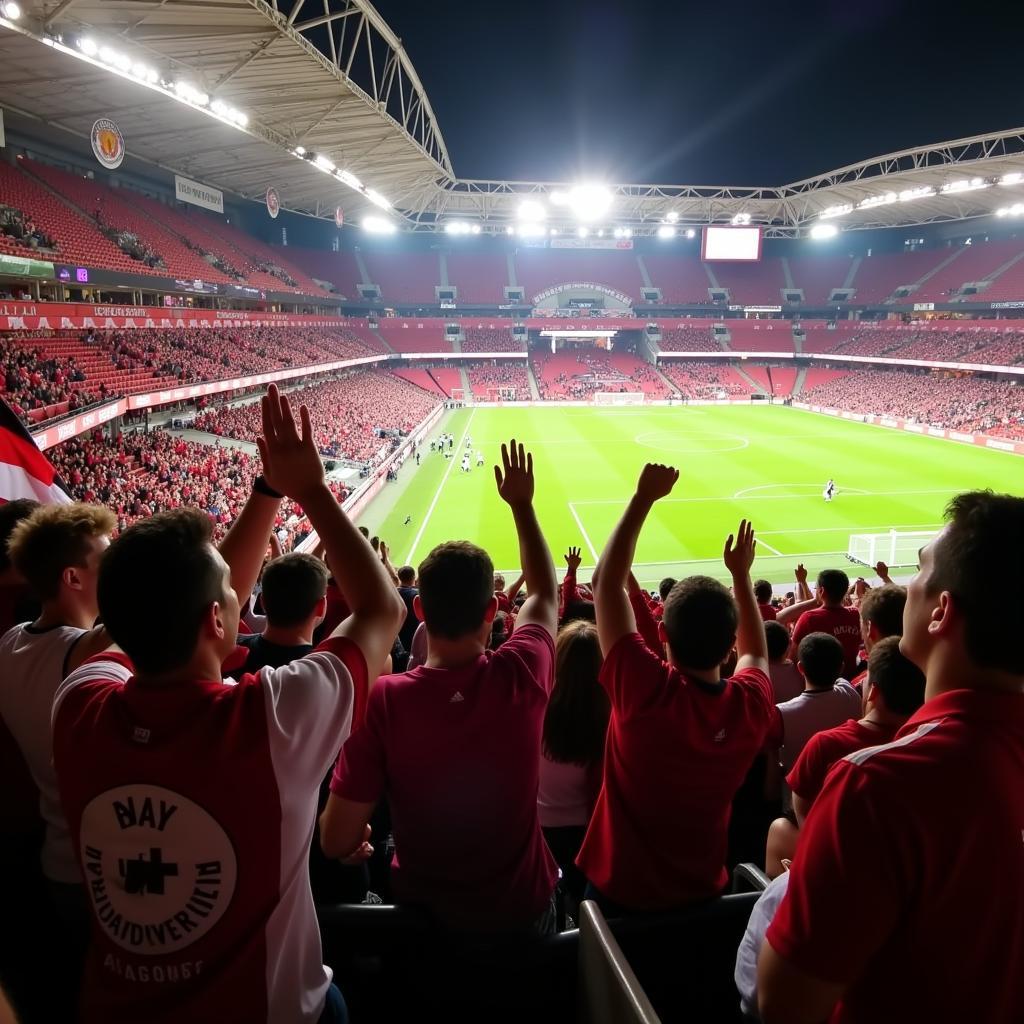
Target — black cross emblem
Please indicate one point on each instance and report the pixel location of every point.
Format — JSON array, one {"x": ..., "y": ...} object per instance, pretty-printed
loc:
[{"x": 142, "y": 876}]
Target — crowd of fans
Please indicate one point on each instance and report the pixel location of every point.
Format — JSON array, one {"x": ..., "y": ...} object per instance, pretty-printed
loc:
[
  {"x": 705, "y": 380},
  {"x": 31, "y": 380},
  {"x": 969, "y": 345},
  {"x": 489, "y": 339},
  {"x": 964, "y": 402},
  {"x": 688, "y": 339},
  {"x": 485, "y": 377},
  {"x": 490, "y": 756},
  {"x": 15, "y": 224},
  {"x": 357, "y": 417}
]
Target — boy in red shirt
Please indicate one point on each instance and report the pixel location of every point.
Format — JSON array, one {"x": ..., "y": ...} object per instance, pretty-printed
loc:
[
  {"x": 833, "y": 617},
  {"x": 904, "y": 900},
  {"x": 455, "y": 743},
  {"x": 681, "y": 738}
]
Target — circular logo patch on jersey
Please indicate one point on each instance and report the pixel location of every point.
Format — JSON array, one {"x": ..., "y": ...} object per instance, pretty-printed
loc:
[{"x": 159, "y": 869}]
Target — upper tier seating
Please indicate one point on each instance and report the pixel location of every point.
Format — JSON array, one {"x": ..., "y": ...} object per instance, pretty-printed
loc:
[
  {"x": 410, "y": 335},
  {"x": 540, "y": 269},
  {"x": 818, "y": 275},
  {"x": 682, "y": 279},
  {"x": 759, "y": 283},
  {"x": 975, "y": 263},
  {"x": 760, "y": 335},
  {"x": 689, "y": 338},
  {"x": 479, "y": 276},
  {"x": 404, "y": 277},
  {"x": 705, "y": 380},
  {"x": 339, "y": 268},
  {"x": 77, "y": 238},
  {"x": 490, "y": 339},
  {"x": 879, "y": 276}
]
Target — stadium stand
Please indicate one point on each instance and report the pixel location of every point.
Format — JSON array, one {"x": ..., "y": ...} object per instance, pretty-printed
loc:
[
  {"x": 759, "y": 283},
  {"x": 695, "y": 338},
  {"x": 448, "y": 379},
  {"x": 411, "y": 335},
  {"x": 705, "y": 380},
  {"x": 340, "y": 269},
  {"x": 540, "y": 269},
  {"x": 817, "y": 276},
  {"x": 880, "y": 275},
  {"x": 422, "y": 378},
  {"x": 681, "y": 279},
  {"x": 75, "y": 237},
  {"x": 975, "y": 263},
  {"x": 760, "y": 335},
  {"x": 404, "y": 277},
  {"x": 486, "y": 380},
  {"x": 480, "y": 276},
  {"x": 489, "y": 339}
]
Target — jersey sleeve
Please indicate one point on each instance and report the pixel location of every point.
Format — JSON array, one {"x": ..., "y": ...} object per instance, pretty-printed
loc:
[
  {"x": 360, "y": 773},
  {"x": 806, "y": 776},
  {"x": 845, "y": 891},
  {"x": 313, "y": 704},
  {"x": 801, "y": 629},
  {"x": 105, "y": 667},
  {"x": 633, "y": 675},
  {"x": 528, "y": 656}
]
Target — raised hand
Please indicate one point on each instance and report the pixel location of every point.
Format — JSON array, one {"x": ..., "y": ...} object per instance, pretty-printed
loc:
[
  {"x": 572, "y": 559},
  {"x": 291, "y": 463},
  {"x": 800, "y": 573},
  {"x": 860, "y": 588},
  {"x": 656, "y": 481},
  {"x": 882, "y": 570},
  {"x": 740, "y": 550},
  {"x": 514, "y": 476}
]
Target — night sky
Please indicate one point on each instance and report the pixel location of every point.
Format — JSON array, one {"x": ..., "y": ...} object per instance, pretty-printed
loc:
[{"x": 710, "y": 93}]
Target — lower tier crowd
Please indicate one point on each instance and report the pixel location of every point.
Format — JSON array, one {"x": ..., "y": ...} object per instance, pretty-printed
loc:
[{"x": 221, "y": 755}]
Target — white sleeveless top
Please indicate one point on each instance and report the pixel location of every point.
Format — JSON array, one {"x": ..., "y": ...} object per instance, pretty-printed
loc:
[{"x": 31, "y": 671}]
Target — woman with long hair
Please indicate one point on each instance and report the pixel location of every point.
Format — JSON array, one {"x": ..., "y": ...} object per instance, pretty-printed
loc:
[{"x": 572, "y": 748}]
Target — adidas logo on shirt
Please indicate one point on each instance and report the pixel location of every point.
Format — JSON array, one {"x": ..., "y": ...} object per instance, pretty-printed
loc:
[
  {"x": 720, "y": 735},
  {"x": 456, "y": 698}
]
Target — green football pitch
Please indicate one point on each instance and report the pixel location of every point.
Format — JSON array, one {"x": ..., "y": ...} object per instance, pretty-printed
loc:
[{"x": 769, "y": 464}]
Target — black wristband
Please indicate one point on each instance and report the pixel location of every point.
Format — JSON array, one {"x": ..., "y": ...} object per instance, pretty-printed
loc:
[{"x": 261, "y": 486}]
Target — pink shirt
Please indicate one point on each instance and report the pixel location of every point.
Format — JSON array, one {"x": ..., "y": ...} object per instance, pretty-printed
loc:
[
  {"x": 457, "y": 751},
  {"x": 565, "y": 794}
]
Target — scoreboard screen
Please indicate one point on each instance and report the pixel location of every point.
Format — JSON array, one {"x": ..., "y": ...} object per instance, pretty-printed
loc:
[{"x": 732, "y": 244}]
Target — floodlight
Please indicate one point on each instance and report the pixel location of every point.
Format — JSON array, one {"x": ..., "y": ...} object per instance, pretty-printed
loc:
[
  {"x": 529, "y": 230},
  {"x": 348, "y": 178},
  {"x": 377, "y": 199},
  {"x": 672, "y": 216},
  {"x": 600, "y": 233},
  {"x": 324, "y": 163},
  {"x": 583, "y": 232},
  {"x": 531, "y": 210},
  {"x": 10, "y": 10},
  {"x": 627, "y": 232},
  {"x": 1012, "y": 178},
  {"x": 510, "y": 230},
  {"x": 475, "y": 229},
  {"x": 690, "y": 233},
  {"x": 554, "y": 231},
  {"x": 300, "y": 150},
  {"x": 378, "y": 226},
  {"x": 242, "y": 119},
  {"x": 823, "y": 231},
  {"x": 88, "y": 47},
  {"x": 454, "y": 227},
  {"x": 589, "y": 202},
  {"x": 741, "y": 218},
  {"x": 558, "y": 198},
  {"x": 666, "y": 231}
]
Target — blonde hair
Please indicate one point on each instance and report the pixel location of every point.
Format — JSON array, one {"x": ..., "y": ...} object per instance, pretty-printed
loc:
[{"x": 54, "y": 537}]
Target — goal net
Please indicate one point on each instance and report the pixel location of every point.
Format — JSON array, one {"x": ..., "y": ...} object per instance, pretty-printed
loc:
[
  {"x": 461, "y": 395},
  {"x": 895, "y": 548},
  {"x": 618, "y": 398}
]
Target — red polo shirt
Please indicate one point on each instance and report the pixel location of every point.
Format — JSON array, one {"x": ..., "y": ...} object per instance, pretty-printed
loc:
[
  {"x": 842, "y": 623},
  {"x": 677, "y": 751},
  {"x": 907, "y": 885}
]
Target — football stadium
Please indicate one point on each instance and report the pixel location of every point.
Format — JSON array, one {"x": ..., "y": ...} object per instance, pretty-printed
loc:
[{"x": 540, "y": 595}]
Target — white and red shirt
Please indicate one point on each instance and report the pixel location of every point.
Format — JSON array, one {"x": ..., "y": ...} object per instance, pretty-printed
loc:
[
  {"x": 457, "y": 751},
  {"x": 676, "y": 753},
  {"x": 32, "y": 667},
  {"x": 907, "y": 887},
  {"x": 841, "y": 622},
  {"x": 191, "y": 810}
]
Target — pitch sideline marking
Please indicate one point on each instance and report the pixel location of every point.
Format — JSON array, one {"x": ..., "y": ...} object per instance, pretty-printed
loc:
[
  {"x": 758, "y": 538},
  {"x": 816, "y": 487},
  {"x": 583, "y": 532},
  {"x": 768, "y": 497},
  {"x": 437, "y": 494}
]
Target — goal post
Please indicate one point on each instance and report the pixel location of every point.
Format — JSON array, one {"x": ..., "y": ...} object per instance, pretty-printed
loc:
[
  {"x": 896, "y": 547},
  {"x": 619, "y": 398}
]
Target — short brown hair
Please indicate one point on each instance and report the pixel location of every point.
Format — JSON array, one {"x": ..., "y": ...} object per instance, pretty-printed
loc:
[
  {"x": 292, "y": 586},
  {"x": 700, "y": 620},
  {"x": 157, "y": 582},
  {"x": 12, "y": 513},
  {"x": 456, "y": 583},
  {"x": 883, "y": 607},
  {"x": 900, "y": 682},
  {"x": 53, "y": 538}
]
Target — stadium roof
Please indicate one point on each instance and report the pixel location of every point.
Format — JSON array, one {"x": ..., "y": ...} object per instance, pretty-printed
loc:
[{"x": 330, "y": 79}]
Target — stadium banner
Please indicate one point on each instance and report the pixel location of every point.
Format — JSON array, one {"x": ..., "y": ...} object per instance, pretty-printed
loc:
[
  {"x": 107, "y": 143},
  {"x": 591, "y": 243},
  {"x": 188, "y": 191},
  {"x": 77, "y": 424},
  {"x": 22, "y": 266}
]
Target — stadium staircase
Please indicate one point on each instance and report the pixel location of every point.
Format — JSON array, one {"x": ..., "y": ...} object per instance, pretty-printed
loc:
[
  {"x": 643, "y": 271},
  {"x": 787, "y": 274},
  {"x": 456, "y": 344},
  {"x": 672, "y": 389},
  {"x": 999, "y": 271},
  {"x": 510, "y": 261},
  {"x": 755, "y": 387},
  {"x": 467, "y": 388},
  {"x": 711, "y": 275},
  {"x": 852, "y": 272},
  {"x": 798, "y": 384},
  {"x": 534, "y": 390},
  {"x": 956, "y": 254},
  {"x": 361, "y": 263}
]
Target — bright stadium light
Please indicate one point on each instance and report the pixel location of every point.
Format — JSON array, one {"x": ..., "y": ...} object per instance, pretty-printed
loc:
[
  {"x": 300, "y": 151},
  {"x": 823, "y": 231},
  {"x": 588, "y": 202},
  {"x": 510, "y": 230},
  {"x": 531, "y": 211},
  {"x": 10, "y": 10},
  {"x": 1012, "y": 178},
  {"x": 188, "y": 93},
  {"x": 1011, "y": 211},
  {"x": 921, "y": 192},
  {"x": 835, "y": 211},
  {"x": 964, "y": 185},
  {"x": 666, "y": 231},
  {"x": 583, "y": 232},
  {"x": 617, "y": 233},
  {"x": 690, "y": 233},
  {"x": 324, "y": 163},
  {"x": 741, "y": 218},
  {"x": 377, "y": 199},
  {"x": 348, "y": 178},
  {"x": 672, "y": 216},
  {"x": 88, "y": 47},
  {"x": 378, "y": 226},
  {"x": 456, "y": 227},
  {"x": 529, "y": 230}
]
